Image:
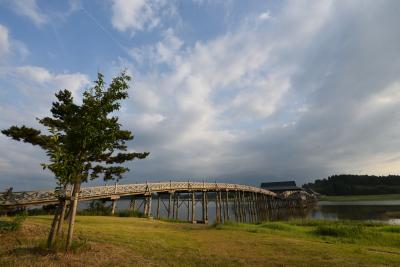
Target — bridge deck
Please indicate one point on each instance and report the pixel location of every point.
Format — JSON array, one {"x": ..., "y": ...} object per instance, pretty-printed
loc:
[{"x": 88, "y": 193}]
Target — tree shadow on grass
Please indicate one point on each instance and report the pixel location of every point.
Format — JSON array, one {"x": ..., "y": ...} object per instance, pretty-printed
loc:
[{"x": 77, "y": 247}]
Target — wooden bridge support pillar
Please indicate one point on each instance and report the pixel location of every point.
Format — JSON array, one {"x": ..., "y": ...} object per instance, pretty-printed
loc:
[
  {"x": 145, "y": 208},
  {"x": 217, "y": 218},
  {"x": 260, "y": 207},
  {"x": 177, "y": 207},
  {"x": 239, "y": 214},
  {"x": 239, "y": 210},
  {"x": 249, "y": 207},
  {"x": 235, "y": 206},
  {"x": 169, "y": 204},
  {"x": 269, "y": 204},
  {"x": 272, "y": 207},
  {"x": 243, "y": 205},
  {"x": 173, "y": 205},
  {"x": 188, "y": 207},
  {"x": 278, "y": 206},
  {"x": 193, "y": 207},
  {"x": 204, "y": 208},
  {"x": 114, "y": 203},
  {"x": 220, "y": 205},
  {"x": 261, "y": 203},
  {"x": 149, "y": 199},
  {"x": 265, "y": 205},
  {"x": 132, "y": 204},
  {"x": 144, "y": 203},
  {"x": 256, "y": 208},
  {"x": 158, "y": 205},
  {"x": 254, "y": 205},
  {"x": 227, "y": 204}
]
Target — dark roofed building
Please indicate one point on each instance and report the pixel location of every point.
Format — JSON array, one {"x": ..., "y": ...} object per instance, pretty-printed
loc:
[{"x": 279, "y": 187}]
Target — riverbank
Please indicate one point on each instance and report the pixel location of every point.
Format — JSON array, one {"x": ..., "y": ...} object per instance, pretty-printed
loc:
[
  {"x": 360, "y": 198},
  {"x": 113, "y": 241}
]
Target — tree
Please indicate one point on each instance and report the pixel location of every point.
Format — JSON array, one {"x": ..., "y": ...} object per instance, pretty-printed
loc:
[{"x": 85, "y": 141}]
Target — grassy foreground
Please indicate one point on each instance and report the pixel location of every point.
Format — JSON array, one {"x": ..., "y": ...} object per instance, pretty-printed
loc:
[
  {"x": 115, "y": 241},
  {"x": 361, "y": 197}
]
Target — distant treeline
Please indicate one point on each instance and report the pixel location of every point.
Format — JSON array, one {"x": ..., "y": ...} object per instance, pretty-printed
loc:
[{"x": 346, "y": 184}]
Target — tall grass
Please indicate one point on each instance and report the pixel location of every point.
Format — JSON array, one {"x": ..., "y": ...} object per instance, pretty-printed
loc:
[{"x": 355, "y": 232}]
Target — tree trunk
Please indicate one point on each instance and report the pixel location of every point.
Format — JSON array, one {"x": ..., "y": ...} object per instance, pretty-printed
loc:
[
  {"x": 61, "y": 220},
  {"x": 51, "y": 237},
  {"x": 74, "y": 205}
]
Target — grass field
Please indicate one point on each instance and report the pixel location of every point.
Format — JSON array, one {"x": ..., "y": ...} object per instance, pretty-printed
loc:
[
  {"x": 361, "y": 197},
  {"x": 116, "y": 241}
]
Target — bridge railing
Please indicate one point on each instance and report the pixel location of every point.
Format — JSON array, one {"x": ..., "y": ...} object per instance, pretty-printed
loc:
[{"x": 50, "y": 196}]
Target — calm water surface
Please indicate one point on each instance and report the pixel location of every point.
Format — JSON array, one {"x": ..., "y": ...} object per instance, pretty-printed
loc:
[{"x": 387, "y": 211}]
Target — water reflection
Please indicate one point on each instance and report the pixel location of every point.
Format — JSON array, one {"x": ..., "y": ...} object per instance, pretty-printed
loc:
[
  {"x": 388, "y": 211},
  {"x": 362, "y": 210}
]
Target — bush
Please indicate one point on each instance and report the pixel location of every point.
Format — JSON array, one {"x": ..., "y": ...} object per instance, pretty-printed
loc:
[
  {"x": 392, "y": 229},
  {"x": 341, "y": 230},
  {"x": 129, "y": 213},
  {"x": 44, "y": 210},
  {"x": 15, "y": 223},
  {"x": 96, "y": 208}
]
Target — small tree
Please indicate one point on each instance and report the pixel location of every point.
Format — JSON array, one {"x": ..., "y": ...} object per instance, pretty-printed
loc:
[{"x": 85, "y": 141}]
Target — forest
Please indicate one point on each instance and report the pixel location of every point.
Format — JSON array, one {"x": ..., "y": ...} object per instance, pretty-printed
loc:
[{"x": 348, "y": 184}]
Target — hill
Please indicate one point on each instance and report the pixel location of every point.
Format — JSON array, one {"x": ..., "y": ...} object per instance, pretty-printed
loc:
[{"x": 347, "y": 184}]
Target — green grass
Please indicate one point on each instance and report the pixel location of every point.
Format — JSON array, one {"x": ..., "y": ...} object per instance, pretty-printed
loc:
[
  {"x": 361, "y": 198},
  {"x": 129, "y": 241}
]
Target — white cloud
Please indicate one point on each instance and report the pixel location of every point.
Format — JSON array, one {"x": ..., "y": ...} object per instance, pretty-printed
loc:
[
  {"x": 9, "y": 46},
  {"x": 208, "y": 92},
  {"x": 4, "y": 41},
  {"x": 258, "y": 99},
  {"x": 387, "y": 97},
  {"x": 166, "y": 51},
  {"x": 263, "y": 99},
  {"x": 33, "y": 90},
  {"x": 29, "y": 9},
  {"x": 71, "y": 81},
  {"x": 149, "y": 121},
  {"x": 312, "y": 93},
  {"x": 137, "y": 15},
  {"x": 265, "y": 16}
]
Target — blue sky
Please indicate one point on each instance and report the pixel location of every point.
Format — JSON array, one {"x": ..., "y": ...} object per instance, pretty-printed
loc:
[{"x": 240, "y": 91}]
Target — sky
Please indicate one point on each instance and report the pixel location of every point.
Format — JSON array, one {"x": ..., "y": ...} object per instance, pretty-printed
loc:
[{"x": 226, "y": 91}]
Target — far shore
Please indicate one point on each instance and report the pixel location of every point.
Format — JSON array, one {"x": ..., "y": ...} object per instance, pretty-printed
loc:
[{"x": 360, "y": 198}]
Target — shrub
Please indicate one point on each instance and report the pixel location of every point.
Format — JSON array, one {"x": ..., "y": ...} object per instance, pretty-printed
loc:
[
  {"x": 341, "y": 230},
  {"x": 15, "y": 223},
  {"x": 392, "y": 229},
  {"x": 96, "y": 208},
  {"x": 129, "y": 213}
]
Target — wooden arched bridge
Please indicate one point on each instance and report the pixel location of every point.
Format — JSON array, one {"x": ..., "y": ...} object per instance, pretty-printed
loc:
[{"x": 231, "y": 201}]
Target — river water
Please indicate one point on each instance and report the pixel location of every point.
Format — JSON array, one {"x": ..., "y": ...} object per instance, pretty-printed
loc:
[{"x": 386, "y": 211}]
